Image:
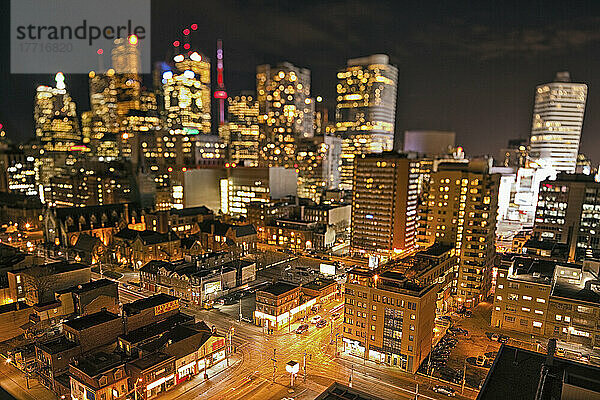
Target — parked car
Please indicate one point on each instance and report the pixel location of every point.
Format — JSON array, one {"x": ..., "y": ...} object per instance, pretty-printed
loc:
[
  {"x": 321, "y": 323},
  {"x": 302, "y": 328},
  {"x": 315, "y": 319},
  {"x": 494, "y": 337},
  {"x": 560, "y": 352},
  {"x": 336, "y": 315},
  {"x": 481, "y": 360},
  {"x": 447, "y": 390},
  {"x": 468, "y": 314},
  {"x": 503, "y": 339}
]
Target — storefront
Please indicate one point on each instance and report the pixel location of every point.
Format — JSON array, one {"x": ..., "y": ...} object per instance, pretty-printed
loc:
[
  {"x": 159, "y": 386},
  {"x": 376, "y": 354},
  {"x": 186, "y": 371},
  {"x": 354, "y": 347}
]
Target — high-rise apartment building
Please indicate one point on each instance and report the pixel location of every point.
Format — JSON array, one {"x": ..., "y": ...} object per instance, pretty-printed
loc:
[
  {"x": 244, "y": 185},
  {"x": 388, "y": 318},
  {"x": 286, "y": 111},
  {"x": 366, "y": 109},
  {"x": 568, "y": 211},
  {"x": 557, "y": 120},
  {"x": 56, "y": 124},
  {"x": 384, "y": 204},
  {"x": 461, "y": 211},
  {"x": 244, "y": 144}
]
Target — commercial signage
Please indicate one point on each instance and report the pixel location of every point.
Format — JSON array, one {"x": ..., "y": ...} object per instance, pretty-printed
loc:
[
  {"x": 166, "y": 307},
  {"x": 212, "y": 287},
  {"x": 327, "y": 269},
  {"x": 217, "y": 344}
]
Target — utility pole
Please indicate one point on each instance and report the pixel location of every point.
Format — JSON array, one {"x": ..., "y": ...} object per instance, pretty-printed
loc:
[
  {"x": 304, "y": 365},
  {"x": 417, "y": 392},
  {"x": 351, "y": 373},
  {"x": 274, "y": 359},
  {"x": 240, "y": 302},
  {"x": 462, "y": 390}
]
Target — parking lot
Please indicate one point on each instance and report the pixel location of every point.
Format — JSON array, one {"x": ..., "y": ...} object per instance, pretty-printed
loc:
[{"x": 458, "y": 350}]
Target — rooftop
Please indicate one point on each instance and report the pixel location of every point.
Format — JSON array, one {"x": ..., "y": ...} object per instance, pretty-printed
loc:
[
  {"x": 86, "y": 287},
  {"x": 54, "y": 268},
  {"x": 90, "y": 320},
  {"x": 98, "y": 363},
  {"x": 319, "y": 283},
  {"x": 149, "y": 302},
  {"x": 150, "y": 361},
  {"x": 157, "y": 328},
  {"x": 515, "y": 374},
  {"x": 13, "y": 306},
  {"x": 337, "y": 391},
  {"x": 57, "y": 345},
  {"x": 278, "y": 288}
]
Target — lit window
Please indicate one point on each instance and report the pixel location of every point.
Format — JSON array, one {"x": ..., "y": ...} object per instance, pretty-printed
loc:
[
  {"x": 526, "y": 297},
  {"x": 537, "y": 324},
  {"x": 541, "y": 300}
]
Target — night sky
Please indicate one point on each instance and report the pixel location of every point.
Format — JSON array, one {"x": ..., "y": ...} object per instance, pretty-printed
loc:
[{"x": 471, "y": 68}]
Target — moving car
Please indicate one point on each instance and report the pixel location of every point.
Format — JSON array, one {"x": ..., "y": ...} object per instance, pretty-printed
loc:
[
  {"x": 321, "y": 323},
  {"x": 302, "y": 328},
  {"x": 447, "y": 390},
  {"x": 560, "y": 352},
  {"x": 315, "y": 319},
  {"x": 503, "y": 339}
]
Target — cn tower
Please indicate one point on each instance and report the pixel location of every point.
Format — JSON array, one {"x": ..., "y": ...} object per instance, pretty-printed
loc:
[{"x": 220, "y": 93}]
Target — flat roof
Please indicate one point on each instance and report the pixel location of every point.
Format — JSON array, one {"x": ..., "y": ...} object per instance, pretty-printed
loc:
[
  {"x": 278, "y": 288},
  {"x": 90, "y": 320},
  {"x": 13, "y": 306},
  {"x": 85, "y": 287},
  {"x": 337, "y": 391},
  {"x": 149, "y": 302},
  {"x": 319, "y": 283},
  {"x": 150, "y": 360},
  {"x": 57, "y": 345},
  {"x": 157, "y": 328},
  {"x": 515, "y": 373},
  {"x": 94, "y": 364}
]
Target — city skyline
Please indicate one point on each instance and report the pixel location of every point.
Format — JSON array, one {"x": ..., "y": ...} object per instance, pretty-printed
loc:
[{"x": 502, "y": 80}]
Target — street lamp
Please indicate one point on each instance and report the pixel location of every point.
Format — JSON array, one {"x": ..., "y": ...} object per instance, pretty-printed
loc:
[{"x": 292, "y": 367}]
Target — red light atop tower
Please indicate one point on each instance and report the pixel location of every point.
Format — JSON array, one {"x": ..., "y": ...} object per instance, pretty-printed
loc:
[
  {"x": 220, "y": 94},
  {"x": 176, "y": 43},
  {"x": 100, "y": 51},
  {"x": 186, "y": 31},
  {"x": 194, "y": 27},
  {"x": 186, "y": 46}
]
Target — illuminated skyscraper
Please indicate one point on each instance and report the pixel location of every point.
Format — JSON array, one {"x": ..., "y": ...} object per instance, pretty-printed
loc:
[
  {"x": 366, "y": 109},
  {"x": 557, "y": 120},
  {"x": 55, "y": 114},
  {"x": 384, "y": 204},
  {"x": 244, "y": 145},
  {"x": 126, "y": 56},
  {"x": 461, "y": 211},
  {"x": 187, "y": 95},
  {"x": 286, "y": 111}
]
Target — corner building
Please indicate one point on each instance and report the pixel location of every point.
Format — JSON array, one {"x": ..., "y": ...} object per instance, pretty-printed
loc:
[{"x": 388, "y": 318}]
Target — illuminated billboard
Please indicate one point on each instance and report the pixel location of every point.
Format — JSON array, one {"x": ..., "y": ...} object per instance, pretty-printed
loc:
[
  {"x": 327, "y": 269},
  {"x": 212, "y": 287}
]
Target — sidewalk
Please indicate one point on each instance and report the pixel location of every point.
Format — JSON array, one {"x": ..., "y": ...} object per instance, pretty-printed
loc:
[
  {"x": 13, "y": 381},
  {"x": 213, "y": 372}
]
